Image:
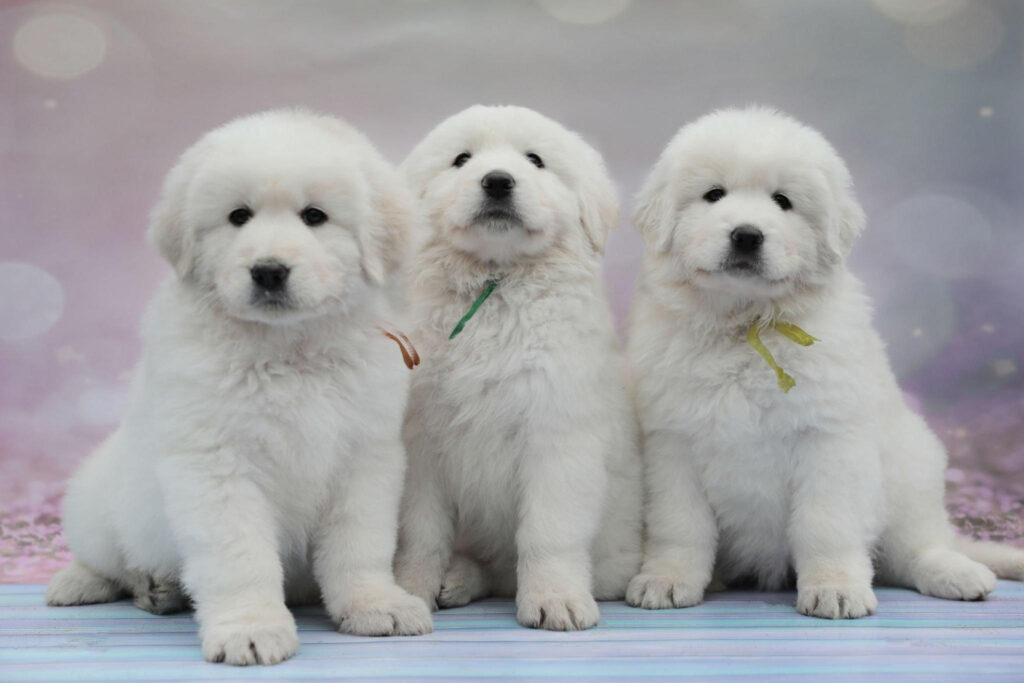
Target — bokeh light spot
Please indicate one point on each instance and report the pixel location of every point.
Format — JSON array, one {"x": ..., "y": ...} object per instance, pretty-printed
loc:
[
  {"x": 937, "y": 234},
  {"x": 962, "y": 40},
  {"x": 986, "y": 112},
  {"x": 1004, "y": 367},
  {"x": 584, "y": 11},
  {"x": 68, "y": 354},
  {"x": 918, "y": 11},
  {"x": 32, "y": 301},
  {"x": 103, "y": 405},
  {"x": 59, "y": 45}
]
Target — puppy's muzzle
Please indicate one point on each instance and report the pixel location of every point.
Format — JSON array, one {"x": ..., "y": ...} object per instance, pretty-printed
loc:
[
  {"x": 744, "y": 249},
  {"x": 498, "y": 211},
  {"x": 498, "y": 185},
  {"x": 270, "y": 276},
  {"x": 746, "y": 239},
  {"x": 269, "y": 282}
]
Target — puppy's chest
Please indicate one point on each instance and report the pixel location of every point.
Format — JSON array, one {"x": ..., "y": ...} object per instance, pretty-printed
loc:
[
  {"x": 513, "y": 341},
  {"x": 729, "y": 388},
  {"x": 309, "y": 401}
]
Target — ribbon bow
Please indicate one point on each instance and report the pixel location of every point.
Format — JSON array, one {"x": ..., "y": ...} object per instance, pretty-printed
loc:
[{"x": 786, "y": 382}]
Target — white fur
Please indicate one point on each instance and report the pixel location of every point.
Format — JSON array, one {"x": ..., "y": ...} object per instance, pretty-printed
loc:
[
  {"x": 261, "y": 458},
  {"x": 836, "y": 480},
  {"x": 521, "y": 435}
]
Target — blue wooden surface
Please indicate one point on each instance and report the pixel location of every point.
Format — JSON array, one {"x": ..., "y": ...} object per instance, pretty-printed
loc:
[{"x": 758, "y": 636}]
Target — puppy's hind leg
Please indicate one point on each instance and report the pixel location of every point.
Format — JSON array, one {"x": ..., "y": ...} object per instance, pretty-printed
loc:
[
  {"x": 916, "y": 549},
  {"x": 77, "y": 584},
  {"x": 97, "y": 565},
  {"x": 1006, "y": 561},
  {"x": 464, "y": 581},
  {"x": 156, "y": 595}
]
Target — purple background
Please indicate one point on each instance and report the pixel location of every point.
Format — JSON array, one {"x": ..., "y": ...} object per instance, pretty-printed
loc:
[{"x": 97, "y": 99}]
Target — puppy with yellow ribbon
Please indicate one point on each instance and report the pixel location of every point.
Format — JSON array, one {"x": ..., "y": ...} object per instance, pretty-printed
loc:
[{"x": 819, "y": 473}]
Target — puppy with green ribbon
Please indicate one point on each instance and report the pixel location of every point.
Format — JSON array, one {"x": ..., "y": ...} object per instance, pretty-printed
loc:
[{"x": 524, "y": 472}]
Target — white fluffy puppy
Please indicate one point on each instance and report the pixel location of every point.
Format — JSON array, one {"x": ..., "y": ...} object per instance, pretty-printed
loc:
[
  {"x": 261, "y": 458},
  {"x": 524, "y": 472},
  {"x": 747, "y": 217}
]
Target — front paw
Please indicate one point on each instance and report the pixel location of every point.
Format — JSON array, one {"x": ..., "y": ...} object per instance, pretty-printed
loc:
[
  {"x": 663, "y": 591},
  {"x": 838, "y": 600},
  {"x": 391, "y": 612},
  {"x": 557, "y": 611},
  {"x": 264, "y": 637}
]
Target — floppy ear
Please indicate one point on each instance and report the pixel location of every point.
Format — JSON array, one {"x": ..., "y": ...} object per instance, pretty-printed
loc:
[
  {"x": 167, "y": 229},
  {"x": 652, "y": 214},
  {"x": 848, "y": 221},
  {"x": 599, "y": 207},
  {"x": 384, "y": 237}
]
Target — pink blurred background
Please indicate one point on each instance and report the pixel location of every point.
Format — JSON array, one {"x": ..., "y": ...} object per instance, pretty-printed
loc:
[{"x": 924, "y": 99}]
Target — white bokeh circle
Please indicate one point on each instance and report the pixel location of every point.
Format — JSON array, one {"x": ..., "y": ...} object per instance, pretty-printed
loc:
[
  {"x": 918, "y": 11},
  {"x": 59, "y": 45},
  {"x": 962, "y": 40},
  {"x": 937, "y": 234},
  {"x": 31, "y": 301},
  {"x": 584, "y": 11},
  {"x": 102, "y": 405},
  {"x": 916, "y": 315}
]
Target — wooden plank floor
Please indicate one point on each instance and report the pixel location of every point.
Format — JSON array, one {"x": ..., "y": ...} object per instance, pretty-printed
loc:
[{"x": 757, "y": 636}]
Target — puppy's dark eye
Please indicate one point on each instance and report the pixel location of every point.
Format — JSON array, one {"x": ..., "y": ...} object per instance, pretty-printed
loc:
[
  {"x": 313, "y": 216},
  {"x": 462, "y": 159},
  {"x": 783, "y": 201},
  {"x": 535, "y": 160},
  {"x": 240, "y": 216},
  {"x": 713, "y": 195}
]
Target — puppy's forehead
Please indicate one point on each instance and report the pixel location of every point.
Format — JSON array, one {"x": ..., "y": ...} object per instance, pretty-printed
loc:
[
  {"x": 754, "y": 144},
  {"x": 741, "y": 159},
  {"x": 283, "y": 159},
  {"x": 742, "y": 164},
  {"x": 486, "y": 127}
]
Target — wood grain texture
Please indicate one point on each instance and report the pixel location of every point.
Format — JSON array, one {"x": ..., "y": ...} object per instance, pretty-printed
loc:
[{"x": 756, "y": 636}]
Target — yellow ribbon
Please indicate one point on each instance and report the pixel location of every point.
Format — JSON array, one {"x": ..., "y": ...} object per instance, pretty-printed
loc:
[{"x": 786, "y": 382}]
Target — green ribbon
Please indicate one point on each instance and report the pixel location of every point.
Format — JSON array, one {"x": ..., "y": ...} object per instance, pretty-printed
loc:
[
  {"x": 488, "y": 288},
  {"x": 789, "y": 330}
]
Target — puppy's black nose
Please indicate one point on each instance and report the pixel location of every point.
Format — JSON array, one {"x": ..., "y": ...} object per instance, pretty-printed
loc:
[
  {"x": 270, "y": 275},
  {"x": 746, "y": 239},
  {"x": 498, "y": 184}
]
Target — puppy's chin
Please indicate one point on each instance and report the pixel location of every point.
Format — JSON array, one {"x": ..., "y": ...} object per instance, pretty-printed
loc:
[
  {"x": 275, "y": 310},
  {"x": 498, "y": 237},
  {"x": 273, "y": 313},
  {"x": 743, "y": 281},
  {"x": 497, "y": 219}
]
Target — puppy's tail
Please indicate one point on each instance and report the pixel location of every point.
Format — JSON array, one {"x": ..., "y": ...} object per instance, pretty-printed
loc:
[{"x": 1006, "y": 561}]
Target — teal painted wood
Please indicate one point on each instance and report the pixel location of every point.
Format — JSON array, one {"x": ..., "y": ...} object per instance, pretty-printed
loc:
[{"x": 757, "y": 636}]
